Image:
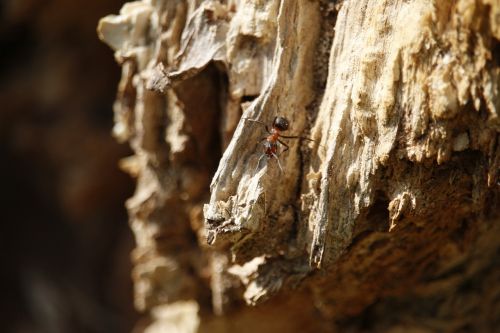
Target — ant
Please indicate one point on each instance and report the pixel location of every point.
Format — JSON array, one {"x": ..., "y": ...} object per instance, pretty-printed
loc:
[{"x": 280, "y": 124}]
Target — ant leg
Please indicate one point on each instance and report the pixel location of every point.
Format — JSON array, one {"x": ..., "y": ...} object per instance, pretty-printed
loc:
[
  {"x": 265, "y": 211},
  {"x": 258, "y": 163},
  {"x": 279, "y": 164},
  {"x": 299, "y": 137},
  {"x": 254, "y": 120},
  {"x": 260, "y": 122},
  {"x": 284, "y": 144},
  {"x": 296, "y": 137}
]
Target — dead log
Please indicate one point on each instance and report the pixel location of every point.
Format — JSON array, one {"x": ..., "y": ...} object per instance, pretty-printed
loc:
[{"x": 392, "y": 209}]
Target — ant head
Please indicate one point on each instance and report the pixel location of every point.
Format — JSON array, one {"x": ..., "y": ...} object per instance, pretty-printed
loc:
[{"x": 280, "y": 123}]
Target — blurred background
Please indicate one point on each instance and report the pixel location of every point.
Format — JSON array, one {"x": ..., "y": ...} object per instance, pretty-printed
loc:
[{"x": 65, "y": 240}]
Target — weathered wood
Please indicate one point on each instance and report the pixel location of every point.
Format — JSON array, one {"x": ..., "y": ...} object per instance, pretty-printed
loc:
[{"x": 393, "y": 201}]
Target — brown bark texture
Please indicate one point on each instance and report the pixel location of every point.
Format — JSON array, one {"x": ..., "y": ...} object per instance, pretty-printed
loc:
[{"x": 387, "y": 221}]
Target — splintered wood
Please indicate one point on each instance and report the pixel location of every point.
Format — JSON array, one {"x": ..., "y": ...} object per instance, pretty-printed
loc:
[{"x": 396, "y": 198}]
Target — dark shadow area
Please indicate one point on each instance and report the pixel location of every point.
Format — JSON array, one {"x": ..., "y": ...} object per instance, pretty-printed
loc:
[{"x": 65, "y": 237}]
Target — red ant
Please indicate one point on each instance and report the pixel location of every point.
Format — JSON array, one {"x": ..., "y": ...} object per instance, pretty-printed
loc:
[{"x": 280, "y": 124}]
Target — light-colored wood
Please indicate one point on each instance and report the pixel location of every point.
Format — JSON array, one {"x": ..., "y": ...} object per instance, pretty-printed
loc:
[{"x": 396, "y": 198}]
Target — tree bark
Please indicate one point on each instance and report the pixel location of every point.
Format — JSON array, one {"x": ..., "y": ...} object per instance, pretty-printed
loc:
[{"x": 387, "y": 221}]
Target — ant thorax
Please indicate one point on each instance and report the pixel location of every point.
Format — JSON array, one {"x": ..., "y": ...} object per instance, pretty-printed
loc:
[{"x": 271, "y": 148}]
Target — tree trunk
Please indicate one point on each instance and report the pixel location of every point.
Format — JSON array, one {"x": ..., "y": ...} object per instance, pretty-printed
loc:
[{"x": 387, "y": 221}]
